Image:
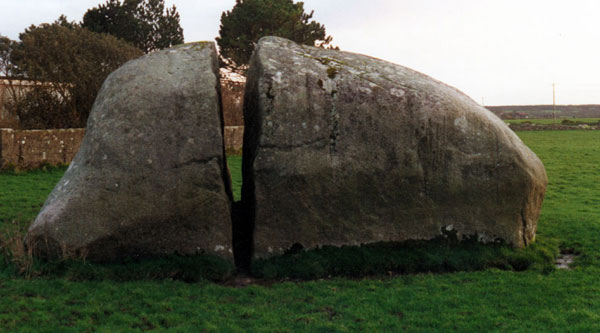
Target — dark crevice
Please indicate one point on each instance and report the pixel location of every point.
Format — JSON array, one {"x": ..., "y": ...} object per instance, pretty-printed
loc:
[
  {"x": 269, "y": 95},
  {"x": 335, "y": 122},
  {"x": 225, "y": 174},
  {"x": 243, "y": 212},
  {"x": 241, "y": 237},
  {"x": 294, "y": 249},
  {"x": 335, "y": 127}
]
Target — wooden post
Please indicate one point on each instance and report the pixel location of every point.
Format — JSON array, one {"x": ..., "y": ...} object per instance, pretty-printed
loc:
[{"x": 553, "y": 103}]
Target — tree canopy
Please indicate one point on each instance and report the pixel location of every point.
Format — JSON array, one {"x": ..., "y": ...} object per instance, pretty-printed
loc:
[
  {"x": 249, "y": 20},
  {"x": 6, "y": 46},
  {"x": 68, "y": 65},
  {"x": 143, "y": 23}
]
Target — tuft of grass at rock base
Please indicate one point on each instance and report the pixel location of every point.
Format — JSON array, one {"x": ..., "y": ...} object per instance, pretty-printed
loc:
[{"x": 17, "y": 262}]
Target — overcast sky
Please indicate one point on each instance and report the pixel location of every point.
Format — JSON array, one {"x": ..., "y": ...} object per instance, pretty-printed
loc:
[{"x": 497, "y": 51}]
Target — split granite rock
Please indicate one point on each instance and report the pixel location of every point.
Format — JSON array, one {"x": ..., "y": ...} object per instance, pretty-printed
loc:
[
  {"x": 150, "y": 176},
  {"x": 345, "y": 149}
]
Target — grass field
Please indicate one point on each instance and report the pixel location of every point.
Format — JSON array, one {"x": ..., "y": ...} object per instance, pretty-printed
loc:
[
  {"x": 23, "y": 194},
  {"x": 547, "y": 121},
  {"x": 235, "y": 168},
  {"x": 467, "y": 301}
]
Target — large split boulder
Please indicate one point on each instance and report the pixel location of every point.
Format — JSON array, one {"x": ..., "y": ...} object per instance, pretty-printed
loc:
[
  {"x": 150, "y": 176},
  {"x": 344, "y": 149}
]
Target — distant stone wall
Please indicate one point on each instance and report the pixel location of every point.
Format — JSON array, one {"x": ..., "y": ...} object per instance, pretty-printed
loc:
[
  {"x": 28, "y": 149},
  {"x": 234, "y": 138},
  {"x": 9, "y": 89},
  {"x": 551, "y": 127},
  {"x": 232, "y": 97}
]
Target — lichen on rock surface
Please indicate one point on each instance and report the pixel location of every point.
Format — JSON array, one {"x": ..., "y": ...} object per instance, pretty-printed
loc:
[{"x": 345, "y": 149}]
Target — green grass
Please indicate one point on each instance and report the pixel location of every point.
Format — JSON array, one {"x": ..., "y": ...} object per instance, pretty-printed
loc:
[
  {"x": 22, "y": 194},
  {"x": 548, "y": 121},
  {"x": 235, "y": 169},
  {"x": 493, "y": 299},
  {"x": 571, "y": 210},
  {"x": 481, "y": 301}
]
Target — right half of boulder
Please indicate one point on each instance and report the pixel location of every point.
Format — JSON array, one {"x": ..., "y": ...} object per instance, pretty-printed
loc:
[{"x": 345, "y": 149}]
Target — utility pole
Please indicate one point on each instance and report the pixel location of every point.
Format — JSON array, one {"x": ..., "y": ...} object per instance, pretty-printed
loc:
[{"x": 553, "y": 103}]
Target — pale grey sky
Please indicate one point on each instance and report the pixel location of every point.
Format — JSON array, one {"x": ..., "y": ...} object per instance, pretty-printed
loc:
[{"x": 497, "y": 51}]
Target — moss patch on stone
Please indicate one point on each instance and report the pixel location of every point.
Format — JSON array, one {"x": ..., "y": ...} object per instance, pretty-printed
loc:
[{"x": 332, "y": 72}]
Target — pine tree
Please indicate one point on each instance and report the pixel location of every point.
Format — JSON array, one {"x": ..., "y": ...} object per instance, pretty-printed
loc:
[
  {"x": 143, "y": 23},
  {"x": 249, "y": 20}
]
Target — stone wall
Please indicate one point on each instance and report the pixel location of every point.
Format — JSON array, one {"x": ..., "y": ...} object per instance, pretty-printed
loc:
[
  {"x": 552, "y": 127},
  {"x": 234, "y": 138},
  {"x": 28, "y": 149},
  {"x": 8, "y": 90},
  {"x": 232, "y": 97}
]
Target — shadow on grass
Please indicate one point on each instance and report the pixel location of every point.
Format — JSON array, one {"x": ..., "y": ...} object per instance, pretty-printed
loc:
[
  {"x": 440, "y": 255},
  {"x": 189, "y": 269},
  {"x": 17, "y": 261}
]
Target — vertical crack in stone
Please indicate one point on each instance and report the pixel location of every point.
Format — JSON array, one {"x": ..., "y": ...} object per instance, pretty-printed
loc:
[
  {"x": 335, "y": 123},
  {"x": 243, "y": 212},
  {"x": 225, "y": 174},
  {"x": 524, "y": 222}
]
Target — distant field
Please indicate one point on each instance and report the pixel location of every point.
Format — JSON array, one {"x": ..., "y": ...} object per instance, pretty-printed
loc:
[
  {"x": 546, "y": 121},
  {"x": 545, "y": 111},
  {"x": 491, "y": 300}
]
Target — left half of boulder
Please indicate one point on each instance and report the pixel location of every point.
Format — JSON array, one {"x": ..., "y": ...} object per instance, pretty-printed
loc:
[{"x": 151, "y": 176}]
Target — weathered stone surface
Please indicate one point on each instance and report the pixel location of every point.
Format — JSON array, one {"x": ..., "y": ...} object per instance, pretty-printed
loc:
[
  {"x": 341, "y": 148},
  {"x": 150, "y": 177}
]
